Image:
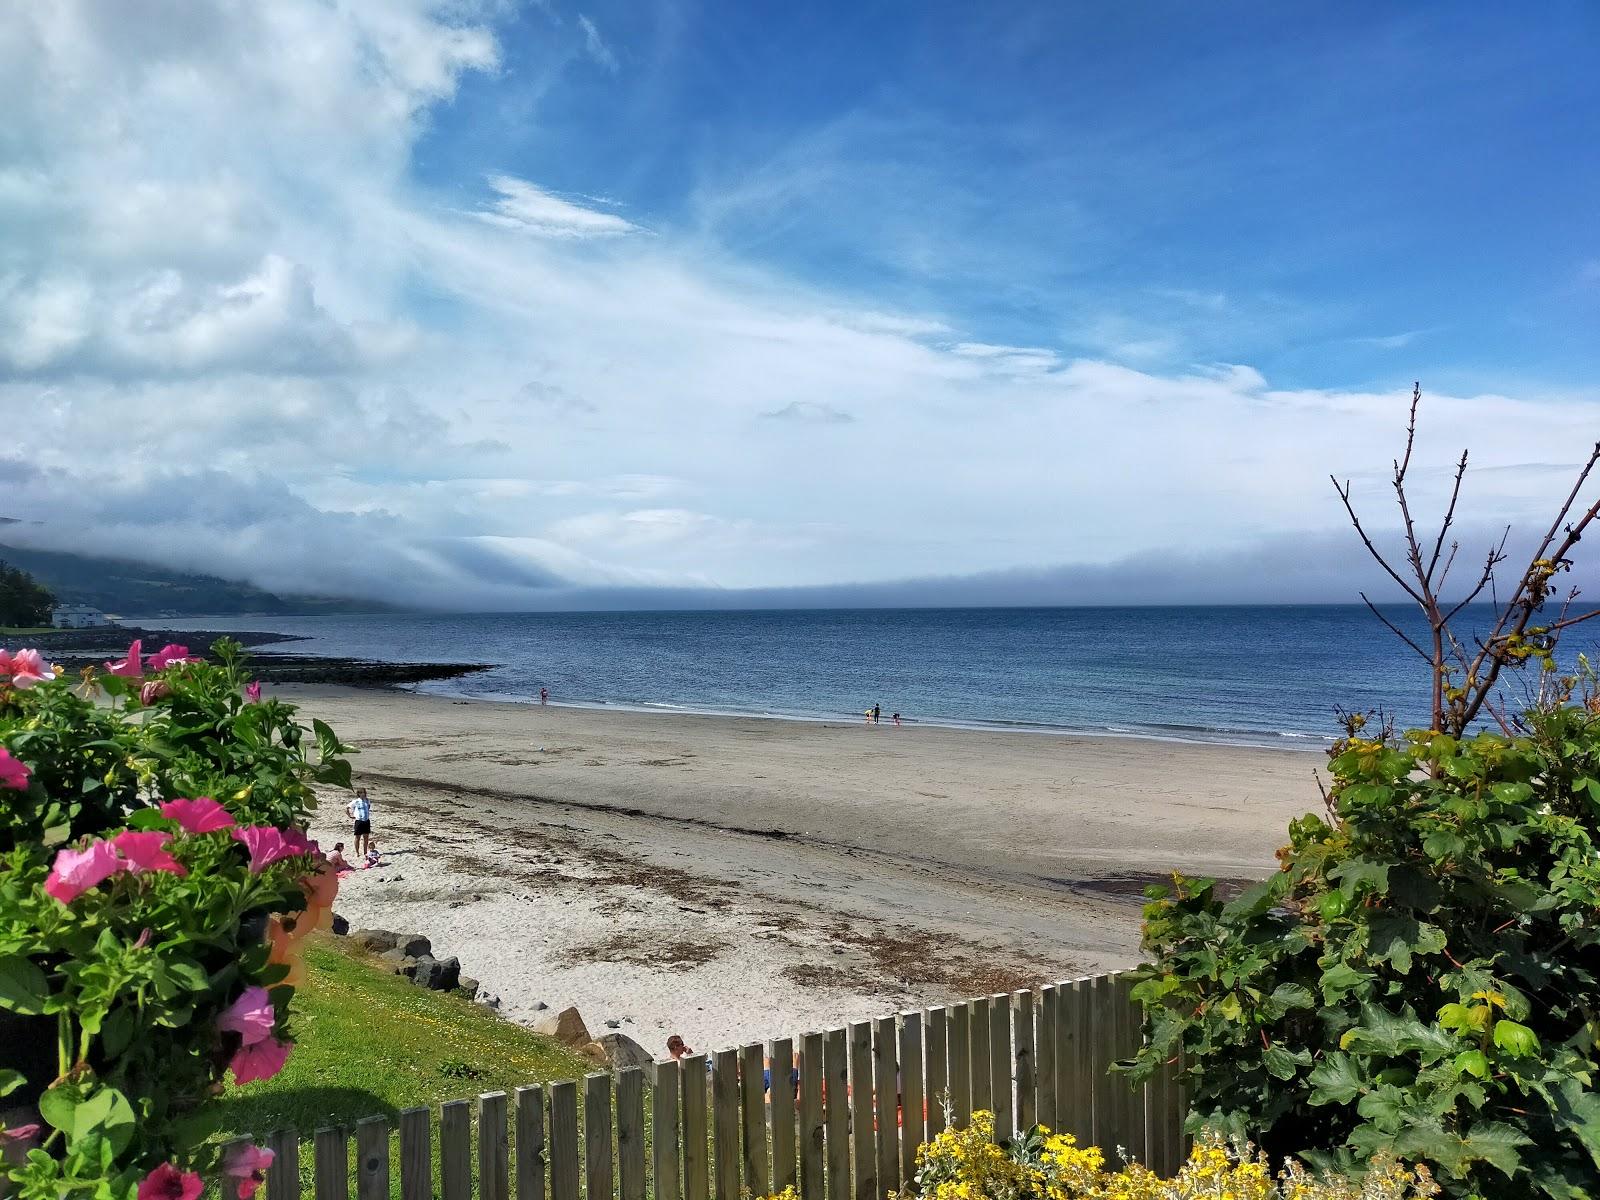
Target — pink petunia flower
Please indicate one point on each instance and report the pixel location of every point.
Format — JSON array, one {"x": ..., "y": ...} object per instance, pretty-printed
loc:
[
  {"x": 147, "y": 851},
  {"x": 252, "y": 692},
  {"x": 19, "y": 1133},
  {"x": 166, "y": 1182},
  {"x": 13, "y": 773},
  {"x": 28, "y": 668},
  {"x": 5, "y": 661},
  {"x": 152, "y": 690},
  {"x": 202, "y": 815},
  {"x": 76, "y": 871},
  {"x": 131, "y": 665},
  {"x": 268, "y": 845},
  {"x": 248, "y": 1165},
  {"x": 171, "y": 656},
  {"x": 251, "y": 1016},
  {"x": 260, "y": 1061}
]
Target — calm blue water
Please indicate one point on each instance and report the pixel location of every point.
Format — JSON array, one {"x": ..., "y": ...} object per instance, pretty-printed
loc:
[{"x": 1267, "y": 675}]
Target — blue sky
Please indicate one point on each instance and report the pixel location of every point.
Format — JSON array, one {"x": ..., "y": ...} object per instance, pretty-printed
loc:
[
  {"x": 1327, "y": 192},
  {"x": 486, "y": 303}
]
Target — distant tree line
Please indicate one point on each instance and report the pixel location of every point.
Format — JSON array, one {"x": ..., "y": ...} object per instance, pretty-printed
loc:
[{"x": 23, "y": 600}]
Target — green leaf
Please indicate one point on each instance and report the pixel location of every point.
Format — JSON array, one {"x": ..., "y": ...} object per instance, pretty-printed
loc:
[
  {"x": 23, "y": 986},
  {"x": 1339, "y": 979},
  {"x": 1472, "y": 1062},
  {"x": 1281, "y": 1064},
  {"x": 1515, "y": 1039},
  {"x": 1336, "y": 1080},
  {"x": 10, "y": 1081},
  {"x": 1355, "y": 873}
]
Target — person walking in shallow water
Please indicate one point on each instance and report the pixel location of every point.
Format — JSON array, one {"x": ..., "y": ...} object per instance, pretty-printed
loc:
[
  {"x": 877, "y": 711},
  {"x": 544, "y": 695}
]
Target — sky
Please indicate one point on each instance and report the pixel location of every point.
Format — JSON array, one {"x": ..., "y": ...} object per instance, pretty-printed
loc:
[{"x": 511, "y": 305}]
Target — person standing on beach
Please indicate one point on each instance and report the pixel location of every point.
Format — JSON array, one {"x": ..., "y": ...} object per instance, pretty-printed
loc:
[
  {"x": 877, "y": 711},
  {"x": 544, "y": 695},
  {"x": 360, "y": 811}
]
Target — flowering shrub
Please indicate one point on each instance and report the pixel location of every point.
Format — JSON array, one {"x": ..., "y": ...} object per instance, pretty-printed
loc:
[
  {"x": 1421, "y": 977},
  {"x": 967, "y": 1164},
  {"x": 154, "y": 882}
]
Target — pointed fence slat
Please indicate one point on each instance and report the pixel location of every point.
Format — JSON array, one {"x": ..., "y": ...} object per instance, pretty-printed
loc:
[
  {"x": 781, "y": 1101},
  {"x": 1022, "y": 1030},
  {"x": 813, "y": 1124},
  {"x": 836, "y": 1113},
  {"x": 1102, "y": 1032},
  {"x": 725, "y": 1122},
  {"x": 696, "y": 1137},
  {"x": 886, "y": 1104},
  {"x": 530, "y": 1143},
  {"x": 1075, "y": 1064},
  {"x": 864, "y": 1149},
  {"x": 664, "y": 1128},
  {"x": 564, "y": 1148},
  {"x": 332, "y": 1164},
  {"x": 372, "y": 1159},
  {"x": 911, "y": 1113},
  {"x": 416, "y": 1154},
  {"x": 631, "y": 1174}
]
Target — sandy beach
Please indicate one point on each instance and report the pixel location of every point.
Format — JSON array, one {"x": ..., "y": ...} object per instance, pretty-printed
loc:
[{"x": 734, "y": 879}]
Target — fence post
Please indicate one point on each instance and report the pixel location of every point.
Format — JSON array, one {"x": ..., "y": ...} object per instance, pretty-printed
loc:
[
  {"x": 597, "y": 1161},
  {"x": 813, "y": 1122},
  {"x": 1000, "y": 1065},
  {"x": 455, "y": 1150},
  {"x": 530, "y": 1143},
  {"x": 725, "y": 1122},
  {"x": 836, "y": 1113},
  {"x": 753, "y": 1127},
  {"x": 283, "y": 1177},
  {"x": 781, "y": 1098},
  {"x": 493, "y": 1181},
  {"x": 696, "y": 1138},
  {"x": 1022, "y": 1026},
  {"x": 911, "y": 1101},
  {"x": 861, "y": 1116},
  {"x": 372, "y": 1159},
  {"x": 936, "y": 1086},
  {"x": 416, "y": 1154},
  {"x": 332, "y": 1151},
  {"x": 960, "y": 1081},
  {"x": 978, "y": 1016},
  {"x": 564, "y": 1140},
  {"x": 631, "y": 1181},
  {"x": 666, "y": 1128},
  {"x": 886, "y": 1109},
  {"x": 1044, "y": 1057}
]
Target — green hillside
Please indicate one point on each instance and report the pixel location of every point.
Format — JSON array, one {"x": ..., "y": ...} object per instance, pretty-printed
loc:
[{"x": 139, "y": 589}]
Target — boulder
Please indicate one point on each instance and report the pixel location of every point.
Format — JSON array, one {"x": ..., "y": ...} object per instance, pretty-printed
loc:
[
  {"x": 595, "y": 1053},
  {"x": 487, "y": 999},
  {"x": 340, "y": 926},
  {"x": 436, "y": 974},
  {"x": 375, "y": 939},
  {"x": 622, "y": 1051},
  {"x": 395, "y": 959},
  {"x": 565, "y": 1026},
  {"x": 415, "y": 945},
  {"x": 469, "y": 985},
  {"x": 422, "y": 971}
]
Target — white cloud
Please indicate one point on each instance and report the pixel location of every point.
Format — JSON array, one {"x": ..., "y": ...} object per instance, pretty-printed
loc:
[
  {"x": 212, "y": 352},
  {"x": 595, "y": 46},
  {"x": 530, "y": 209}
]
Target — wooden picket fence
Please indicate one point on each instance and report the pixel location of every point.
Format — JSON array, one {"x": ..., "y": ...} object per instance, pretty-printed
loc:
[{"x": 867, "y": 1096}]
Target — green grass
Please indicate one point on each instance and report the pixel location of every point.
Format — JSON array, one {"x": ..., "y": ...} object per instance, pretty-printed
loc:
[
  {"x": 24, "y": 630},
  {"x": 369, "y": 1043}
]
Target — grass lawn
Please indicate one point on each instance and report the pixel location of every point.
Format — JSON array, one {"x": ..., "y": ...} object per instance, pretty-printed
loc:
[
  {"x": 369, "y": 1043},
  {"x": 7, "y": 631}
]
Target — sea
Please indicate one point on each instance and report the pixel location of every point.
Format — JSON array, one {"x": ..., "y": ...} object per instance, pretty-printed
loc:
[{"x": 1263, "y": 676}]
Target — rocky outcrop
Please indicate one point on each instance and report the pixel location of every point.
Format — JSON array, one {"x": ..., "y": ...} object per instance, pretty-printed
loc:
[{"x": 566, "y": 1027}]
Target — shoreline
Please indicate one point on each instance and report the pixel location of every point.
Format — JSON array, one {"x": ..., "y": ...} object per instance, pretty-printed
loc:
[{"x": 736, "y": 878}]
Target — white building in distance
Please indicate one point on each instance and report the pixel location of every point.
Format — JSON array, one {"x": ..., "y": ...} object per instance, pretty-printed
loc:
[{"x": 77, "y": 616}]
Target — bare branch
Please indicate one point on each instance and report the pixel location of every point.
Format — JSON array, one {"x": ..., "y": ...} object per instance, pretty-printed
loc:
[
  {"x": 1344, "y": 495},
  {"x": 1496, "y": 556},
  {"x": 1449, "y": 519},
  {"x": 1396, "y": 630}
]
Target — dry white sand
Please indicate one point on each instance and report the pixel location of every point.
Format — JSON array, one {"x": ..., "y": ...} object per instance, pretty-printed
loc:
[{"x": 737, "y": 879}]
